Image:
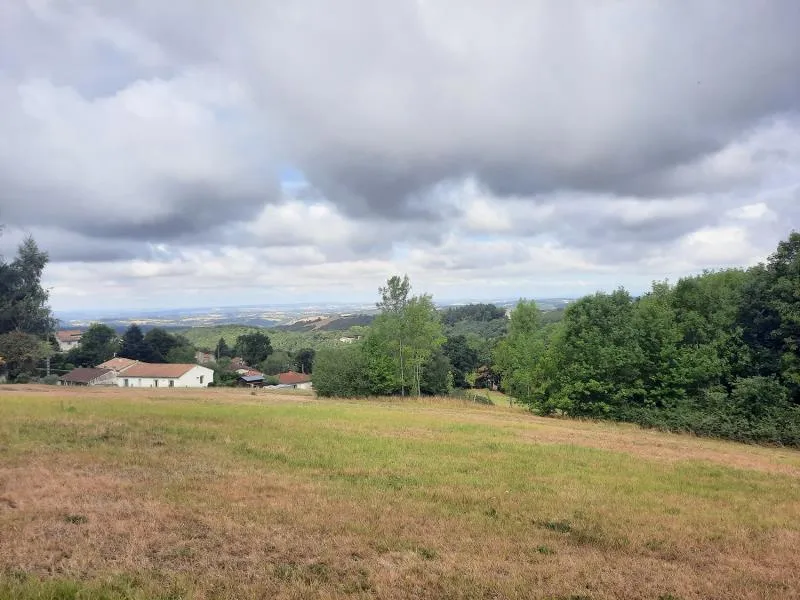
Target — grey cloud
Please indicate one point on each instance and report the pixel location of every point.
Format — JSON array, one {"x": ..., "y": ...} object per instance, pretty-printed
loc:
[
  {"x": 161, "y": 161},
  {"x": 164, "y": 122},
  {"x": 380, "y": 101},
  {"x": 65, "y": 246},
  {"x": 529, "y": 97}
]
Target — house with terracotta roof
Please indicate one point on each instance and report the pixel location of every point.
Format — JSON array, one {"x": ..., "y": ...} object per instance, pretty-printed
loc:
[
  {"x": 68, "y": 339},
  {"x": 88, "y": 376},
  {"x": 166, "y": 375},
  {"x": 294, "y": 379}
]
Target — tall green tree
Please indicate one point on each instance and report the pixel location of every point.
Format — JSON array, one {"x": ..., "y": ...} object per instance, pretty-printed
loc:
[
  {"x": 437, "y": 377},
  {"x": 770, "y": 315},
  {"x": 159, "y": 343},
  {"x": 23, "y": 300},
  {"x": 664, "y": 372},
  {"x": 304, "y": 360},
  {"x": 392, "y": 322},
  {"x": 423, "y": 335},
  {"x": 222, "y": 349},
  {"x": 134, "y": 346},
  {"x": 254, "y": 347},
  {"x": 21, "y": 353},
  {"x": 98, "y": 344},
  {"x": 602, "y": 372},
  {"x": 517, "y": 356}
]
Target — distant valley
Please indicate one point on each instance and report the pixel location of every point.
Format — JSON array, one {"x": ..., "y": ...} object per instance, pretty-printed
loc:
[{"x": 290, "y": 317}]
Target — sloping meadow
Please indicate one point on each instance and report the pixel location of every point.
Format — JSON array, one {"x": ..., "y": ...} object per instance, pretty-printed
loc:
[{"x": 225, "y": 494}]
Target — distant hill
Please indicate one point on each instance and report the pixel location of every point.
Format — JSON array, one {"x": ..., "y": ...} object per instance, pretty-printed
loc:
[
  {"x": 333, "y": 323},
  {"x": 281, "y": 339}
]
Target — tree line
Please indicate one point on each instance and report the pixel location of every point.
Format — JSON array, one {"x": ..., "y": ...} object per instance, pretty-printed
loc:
[{"x": 715, "y": 354}]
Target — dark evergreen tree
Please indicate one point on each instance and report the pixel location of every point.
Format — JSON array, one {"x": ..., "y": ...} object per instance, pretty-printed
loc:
[
  {"x": 222, "y": 350},
  {"x": 134, "y": 346},
  {"x": 304, "y": 360},
  {"x": 23, "y": 300}
]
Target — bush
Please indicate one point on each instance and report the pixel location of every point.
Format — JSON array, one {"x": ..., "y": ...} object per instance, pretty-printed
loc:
[
  {"x": 338, "y": 372},
  {"x": 50, "y": 379},
  {"x": 718, "y": 414}
]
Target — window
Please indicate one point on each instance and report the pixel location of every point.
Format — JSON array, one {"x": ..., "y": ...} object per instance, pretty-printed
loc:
[
  {"x": 125, "y": 382},
  {"x": 201, "y": 379},
  {"x": 155, "y": 383},
  {"x": 171, "y": 383}
]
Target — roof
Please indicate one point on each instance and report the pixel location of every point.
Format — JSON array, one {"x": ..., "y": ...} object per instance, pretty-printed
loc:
[
  {"x": 84, "y": 375},
  {"x": 292, "y": 377},
  {"x": 69, "y": 335},
  {"x": 156, "y": 370},
  {"x": 118, "y": 363},
  {"x": 252, "y": 378}
]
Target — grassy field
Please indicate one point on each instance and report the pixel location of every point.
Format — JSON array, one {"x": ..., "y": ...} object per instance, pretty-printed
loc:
[{"x": 112, "y": 494}]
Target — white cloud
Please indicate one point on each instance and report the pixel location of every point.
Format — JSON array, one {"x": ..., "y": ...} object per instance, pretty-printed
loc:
[
  {"x": 753, "y": 212},
  {"x": 503, "y": 147}
]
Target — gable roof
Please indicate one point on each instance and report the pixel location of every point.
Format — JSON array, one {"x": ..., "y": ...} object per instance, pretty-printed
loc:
[
  {"x": 252, "y": 378},
  {"x": 84, "y": 375},
  {"x": 118, "y": 364},
  {"x": 292, "y": 378},
  {"x": 159, "y": 370},
  {"x": 69, "y": 335}
]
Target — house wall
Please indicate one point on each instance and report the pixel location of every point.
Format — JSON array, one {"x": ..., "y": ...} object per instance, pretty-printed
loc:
[
  {"x": 304, "y": 386},
  {"x": 65, "y": 346},
  {"x": 190, "y": 379},
  {"x": 107, "y": 379}
]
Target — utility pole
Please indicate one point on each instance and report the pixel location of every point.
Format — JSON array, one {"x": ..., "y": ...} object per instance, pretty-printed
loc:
[{"x": 47, "y": 364}]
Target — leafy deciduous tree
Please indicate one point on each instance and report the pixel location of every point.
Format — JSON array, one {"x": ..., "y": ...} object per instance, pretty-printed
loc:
[{"x": 254, "y": 347}]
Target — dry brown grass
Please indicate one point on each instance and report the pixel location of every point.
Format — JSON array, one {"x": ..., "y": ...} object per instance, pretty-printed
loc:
[{"x": 271, "y": 496}]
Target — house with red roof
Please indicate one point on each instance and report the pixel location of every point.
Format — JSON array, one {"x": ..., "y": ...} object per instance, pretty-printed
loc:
[
  {"x": 294, "y": 379},
  {"x": 68, "y": 339}
]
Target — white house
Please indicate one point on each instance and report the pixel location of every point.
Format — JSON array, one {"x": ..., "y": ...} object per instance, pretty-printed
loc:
[
  {"x": 298, "y": 381},
  {"x": 165, "y": 375},
  {"x": 68, "y": 339}
]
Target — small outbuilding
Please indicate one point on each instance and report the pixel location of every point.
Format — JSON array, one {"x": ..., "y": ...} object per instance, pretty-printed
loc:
[
  {"x": 88, "y": 376},
  {"x": 251, "y": 381}
]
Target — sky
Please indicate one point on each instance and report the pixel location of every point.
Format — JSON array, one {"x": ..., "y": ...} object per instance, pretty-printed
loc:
[{"x": 197, "y": 152}]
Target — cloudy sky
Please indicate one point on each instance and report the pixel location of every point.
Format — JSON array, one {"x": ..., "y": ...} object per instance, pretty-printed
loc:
[{"x": 198, "y": 152}]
